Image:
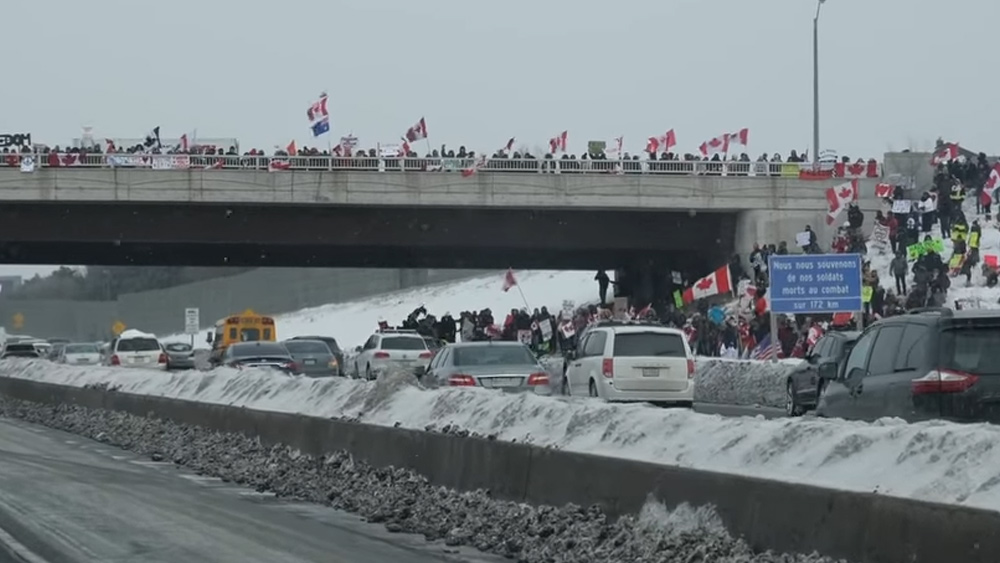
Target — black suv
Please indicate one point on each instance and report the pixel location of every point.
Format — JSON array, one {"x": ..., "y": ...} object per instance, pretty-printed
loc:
[
  {"x": 804, "y": 385},
  {"x": 931, "y": 363}
]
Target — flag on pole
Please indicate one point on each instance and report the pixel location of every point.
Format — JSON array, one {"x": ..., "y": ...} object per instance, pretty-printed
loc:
[
  {"x": 319, "y": 116},
  {"x": 509, "y": 280}
]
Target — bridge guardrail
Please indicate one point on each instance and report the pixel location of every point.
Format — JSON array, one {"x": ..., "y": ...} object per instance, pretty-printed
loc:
[{"x": 861, "y": 169}]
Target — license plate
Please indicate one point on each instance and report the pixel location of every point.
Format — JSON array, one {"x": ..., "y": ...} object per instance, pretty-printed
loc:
[
  {"x": 310, "y": 362},
  {"x": 505, "y": 381},
  {"x": 650, "y": 372}
]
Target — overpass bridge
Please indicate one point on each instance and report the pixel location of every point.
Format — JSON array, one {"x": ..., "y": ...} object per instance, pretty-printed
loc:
[{"x": 321, "y": 211}]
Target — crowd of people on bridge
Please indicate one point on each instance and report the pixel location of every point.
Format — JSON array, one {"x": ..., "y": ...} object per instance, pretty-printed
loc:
[{"x": 438, "y": 159}]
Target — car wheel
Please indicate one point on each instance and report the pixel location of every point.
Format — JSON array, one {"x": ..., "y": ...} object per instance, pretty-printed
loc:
[
  {"x": 593, "y": 389},
  {"x": 792, "y": 407}
]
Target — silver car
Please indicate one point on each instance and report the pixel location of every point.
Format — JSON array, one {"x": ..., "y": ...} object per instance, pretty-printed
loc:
[
  {"x": 508, "y": 366},
  {"x": 313, "y": 358}
]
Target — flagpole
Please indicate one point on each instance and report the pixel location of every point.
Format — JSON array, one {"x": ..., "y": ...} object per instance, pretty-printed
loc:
[{"x": 523, "y": 298}]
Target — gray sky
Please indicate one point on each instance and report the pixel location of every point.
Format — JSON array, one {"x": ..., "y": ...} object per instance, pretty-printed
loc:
[{"x": 894, "y": 73}]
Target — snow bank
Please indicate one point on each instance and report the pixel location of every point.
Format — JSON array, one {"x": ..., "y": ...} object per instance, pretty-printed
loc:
[
  {"x": 935, "y": 461},
  {"x": 741, "y": 382}
]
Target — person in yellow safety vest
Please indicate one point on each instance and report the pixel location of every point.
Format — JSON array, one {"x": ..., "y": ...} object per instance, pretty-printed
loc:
[
  {"x": 972, "y": 259},
  {"x": 957, "y": 194},
  {"x": 959, "y": 233},
  {"x": 974, "y": 235}
]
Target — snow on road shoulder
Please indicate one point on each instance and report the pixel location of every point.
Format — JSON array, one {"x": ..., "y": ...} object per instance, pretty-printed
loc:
[
  {"x": 742, "y": 382},
  {"x": 935, "y": 461}
]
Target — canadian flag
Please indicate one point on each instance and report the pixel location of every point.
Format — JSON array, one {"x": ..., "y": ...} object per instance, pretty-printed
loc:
[
  {"x": 404, "y": 149},
  {"x": 883, "y": 190},
  {"x": 993, "y": 182},
  {"x": 276, "y": 164},
  {"x": 509, "y": 280},
  {"x": 184, "y": 145},
  {"x": 838, "y": 197},
  {"x": 480, "y": 163},
  {"x": 945, "y": 154},
  {"x": 662, "y": 143},
  {"x": 557, "y": 144},
  {"x": 721, "y": 143},
  {"x": 417, "y": 132},
  {"x": 713, "y": 284}
]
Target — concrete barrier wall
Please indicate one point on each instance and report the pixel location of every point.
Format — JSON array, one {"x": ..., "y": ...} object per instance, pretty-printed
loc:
[
  {"x": 863, "y": 528},
  {"x": 266, "y": 290}
]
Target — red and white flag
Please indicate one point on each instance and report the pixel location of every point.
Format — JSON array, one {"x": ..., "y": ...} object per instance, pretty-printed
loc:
[
  {"x": 404, "y": 149},
  {"x": 318, "y": 109},
  {"x": 417, "y": 132},
  {"x": 716, "y": 283},
  {"x": 184, "y": 145},
  {"x": 722, "y": 143},
  {"x": 883, "y": 190},
  {"x": 557, "y": 144},
  {"x": 479, "y": 164},
  {"x": 509, "y": 280},
  {"x": 993, "y": 182},
  {"x": 508, "y": 147},
  {"x": 945, "y": 154},
  {"x": 838, "y": 197},
  {"x": 663, "y": 143},
  {"x": 279, "y": 163}
]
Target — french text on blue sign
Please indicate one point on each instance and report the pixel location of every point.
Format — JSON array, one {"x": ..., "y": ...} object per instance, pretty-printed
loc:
[{"x": 815, "y": 283}]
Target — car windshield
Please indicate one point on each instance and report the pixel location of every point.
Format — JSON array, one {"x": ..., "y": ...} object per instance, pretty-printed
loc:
[
  {"x": 306, "y": 347},
  {"x": 403, "y": 343},
  {"x": 973, "y": 349},
  {"x": 259, "y": 350},
  {"x": 468, "y": 356},
  {"x": 661, "y": 344},
  {"x": 138, "y": 345},
  {"x": 81, "y": 349}
]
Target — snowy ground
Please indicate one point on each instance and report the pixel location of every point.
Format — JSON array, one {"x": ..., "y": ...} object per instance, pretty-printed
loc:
[
  {"x": 351, "y": 323},
  {"x": 976, "y": 295},
  {"x": 934, "y": 461}
]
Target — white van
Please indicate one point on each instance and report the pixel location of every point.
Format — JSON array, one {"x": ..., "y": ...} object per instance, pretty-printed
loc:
[
  {"x": 136, "y": 349},
  {"x": 632, "y": 361}
]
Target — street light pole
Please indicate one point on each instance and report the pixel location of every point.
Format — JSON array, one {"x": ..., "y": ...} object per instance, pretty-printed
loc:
[{"x": 819, "y": 4}]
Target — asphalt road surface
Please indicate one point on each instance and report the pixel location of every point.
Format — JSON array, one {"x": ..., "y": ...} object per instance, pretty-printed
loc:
[{"x": 66, "y": 499}]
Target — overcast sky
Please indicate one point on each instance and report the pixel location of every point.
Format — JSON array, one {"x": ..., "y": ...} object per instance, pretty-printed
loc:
[{"x": 894, "y": 73}]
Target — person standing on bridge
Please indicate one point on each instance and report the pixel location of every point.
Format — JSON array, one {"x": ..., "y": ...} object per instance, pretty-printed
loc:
[{"x": 602, "y": 285}]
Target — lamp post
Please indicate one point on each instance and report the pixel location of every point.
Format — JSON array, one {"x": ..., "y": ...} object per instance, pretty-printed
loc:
[{"x": 819, "y": 4}]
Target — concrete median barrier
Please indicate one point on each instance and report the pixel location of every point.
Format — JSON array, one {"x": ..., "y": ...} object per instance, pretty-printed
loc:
[{"x": 768, "y": 514}]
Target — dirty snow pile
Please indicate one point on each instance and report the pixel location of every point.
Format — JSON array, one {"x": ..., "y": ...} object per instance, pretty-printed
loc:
[
  {"x": 742, "y": 382},
  {"x": 724, "y": 381},
  {"x": 936, "y": 461},
  {"x": 406, "y": 502}
]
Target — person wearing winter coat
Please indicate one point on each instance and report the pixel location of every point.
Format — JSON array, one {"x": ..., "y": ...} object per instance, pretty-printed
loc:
[{"x": 899, "y": 266}]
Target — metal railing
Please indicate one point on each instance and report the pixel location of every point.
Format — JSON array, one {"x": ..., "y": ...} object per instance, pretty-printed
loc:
[{"x": 869, "y": 169}]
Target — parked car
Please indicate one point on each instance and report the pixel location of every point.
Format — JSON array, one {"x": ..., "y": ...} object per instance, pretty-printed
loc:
[
  {"x": 391, "y": 348},
  {"x": 79, "y": 354},
  {"x": 632, "y": 361},
  {"x": 932, "y": 363},
  {"x": 508, "y": 366},
  {"x": 180, "y": 355},
  {"x": 136, "y": 349},
  {"x": 20, "y": 350},
  {"x": 312, "y": 358},
  {"x": 804, "y": 384},
  {"x": 334, "y": 347},
  {"x": 259, "y": 354}
]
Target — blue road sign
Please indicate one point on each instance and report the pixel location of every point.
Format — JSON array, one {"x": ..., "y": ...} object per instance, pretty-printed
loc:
[{"x": 815, "y": 283}]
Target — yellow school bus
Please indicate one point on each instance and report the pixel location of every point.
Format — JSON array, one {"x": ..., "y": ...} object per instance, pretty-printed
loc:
[{"x": 247, "y": 326}]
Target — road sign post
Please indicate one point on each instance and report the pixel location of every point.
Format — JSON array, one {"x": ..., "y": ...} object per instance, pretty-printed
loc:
[
  {"x": 814, "y": 284},
  {"x": 192, "y": 322}
]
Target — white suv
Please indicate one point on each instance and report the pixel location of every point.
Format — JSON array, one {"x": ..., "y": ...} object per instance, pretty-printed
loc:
[
  {"x": 392, "y": 348},
  {"x": 135, "y": 349},
  {"x": 627, "y": 361}
]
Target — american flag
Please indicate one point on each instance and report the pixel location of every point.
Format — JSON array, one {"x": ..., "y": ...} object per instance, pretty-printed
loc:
[{"x": 764, "y": 350}]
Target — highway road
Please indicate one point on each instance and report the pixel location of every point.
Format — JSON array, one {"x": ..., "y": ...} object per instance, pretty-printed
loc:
[{"x": 66, "y": 499}]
